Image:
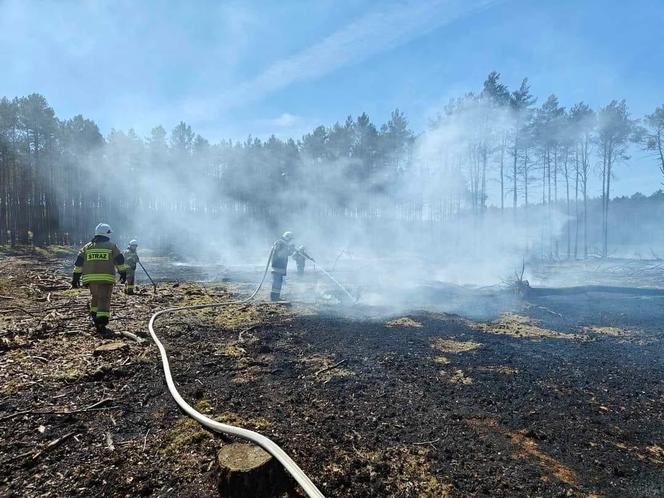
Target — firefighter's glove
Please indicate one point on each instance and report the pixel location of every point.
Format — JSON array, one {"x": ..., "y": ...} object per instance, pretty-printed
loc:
[
  {"x": 76, "y": 281},
  {"x": 123, "y": 277}
]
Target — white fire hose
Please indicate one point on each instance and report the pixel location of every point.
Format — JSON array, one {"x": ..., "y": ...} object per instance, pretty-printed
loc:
[{"x": 267, "y": 444}]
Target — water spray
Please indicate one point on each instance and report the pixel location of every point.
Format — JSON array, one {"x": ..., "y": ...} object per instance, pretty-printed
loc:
[{"x": 355, "y": 299}]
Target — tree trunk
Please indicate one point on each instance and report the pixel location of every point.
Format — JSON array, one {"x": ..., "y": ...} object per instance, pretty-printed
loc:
[
  {"x": 484, "y": 165},
  {"x": 516, "y": 158},
  {"x": 660, "y": 149},
  {"x": 502, "y": 176},
  {"x": 525, "y": 177},
  {"x": 608, "y": 197},
  {"x": 576, "y": 203},
  {"x": 569, "y": 227},
  {"x": 604, "y": 159}
]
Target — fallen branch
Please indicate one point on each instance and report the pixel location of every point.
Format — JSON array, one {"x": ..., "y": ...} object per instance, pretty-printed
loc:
[
  {"x": 36, "y": 454},
  {"x": 91, "y": 408},
  {"x": 100, "y": 402},
  {"x": 543, "y": 308},
  {"x": 53, "y": 444},
  {"x": 16, "y": 308},
  {"x": 23, "y": 412},
  {"x": 550, "y": 311},
  {"x": 329, "y": 368},
  {"x": 132, "y": 336},
  {"x": 53, "y": 287},
  {"x": 427, "y": 442},
  {"x": 145, "y": 440}
]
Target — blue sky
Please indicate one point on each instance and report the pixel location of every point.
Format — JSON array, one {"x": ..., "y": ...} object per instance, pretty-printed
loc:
[{"x": 234, "y": 68}]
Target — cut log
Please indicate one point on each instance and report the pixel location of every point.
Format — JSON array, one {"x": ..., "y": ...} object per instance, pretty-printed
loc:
[
  {"x": 248, "y": 470},
  {"x": 110, "y": 347}
]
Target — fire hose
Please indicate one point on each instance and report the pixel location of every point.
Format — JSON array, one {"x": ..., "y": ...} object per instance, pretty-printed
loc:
[{"x": 267, "y": 444}]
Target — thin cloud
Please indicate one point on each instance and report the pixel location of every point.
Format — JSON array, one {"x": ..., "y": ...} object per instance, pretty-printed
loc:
[
  {"x": 285, "y": 120},
  {"x": 376, "y": 32}
]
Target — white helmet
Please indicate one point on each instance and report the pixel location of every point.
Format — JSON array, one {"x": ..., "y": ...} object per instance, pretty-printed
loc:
[
  {"x": 133, "y": 242},
  {"x": 288, "y": 236},
  {"x": 103, "y": 229}
]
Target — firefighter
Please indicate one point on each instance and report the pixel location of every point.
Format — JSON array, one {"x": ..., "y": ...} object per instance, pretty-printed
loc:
[
  {"x": 95, "y": 267},
  {"x": 299, "y": 258},
  {"x": 281, "y": 250},
  {"x": 131, "y": 260}
]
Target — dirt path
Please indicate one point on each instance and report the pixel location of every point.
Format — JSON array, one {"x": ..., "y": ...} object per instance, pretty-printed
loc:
[{"x": 555, "y": 398}]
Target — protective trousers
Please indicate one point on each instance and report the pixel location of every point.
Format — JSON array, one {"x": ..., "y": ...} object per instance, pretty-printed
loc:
[
  {"x": 100, "y": 305},
  {"x": 131, "y": 275},
  {"x": 277, "y": 281}
]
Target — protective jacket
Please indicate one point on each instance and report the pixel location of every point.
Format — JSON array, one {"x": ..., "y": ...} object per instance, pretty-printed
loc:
[
  {"x": 98, "y": 260},
  {"x": 131, "y": 259},
  {"x": 299, "y": 261},
  {"x": 282, "y": 250}
]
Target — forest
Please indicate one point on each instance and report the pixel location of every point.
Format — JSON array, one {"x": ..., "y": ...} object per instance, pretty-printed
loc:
[{"x": 495, "y": 150}]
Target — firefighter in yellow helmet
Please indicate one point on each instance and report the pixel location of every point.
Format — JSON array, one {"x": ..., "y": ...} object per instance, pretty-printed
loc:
[
  {"x": 131, "y": 260},
  {"x": 95, "y": 267}
]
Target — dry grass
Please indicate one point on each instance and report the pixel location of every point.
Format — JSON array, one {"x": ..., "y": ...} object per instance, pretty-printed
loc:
[
  {"x": 527, "y": 449},
  {"x": 180, "y": 442},
  {"x": 652, "y": 454},
  {"x": 521, "y": 326},
  {"x": 317, "y": 362},
  {"x": 407, "y": 473},
  {"x": 454, "y": 346},
  {"x": 608, "y": 331},
  {"x": 501, "y": 369},
  {"x": 457, "y": 376},
  {"x": 230, "y": 350},
  {"x": 403, "y": 322},
  {"x": 231, "y": 418}
]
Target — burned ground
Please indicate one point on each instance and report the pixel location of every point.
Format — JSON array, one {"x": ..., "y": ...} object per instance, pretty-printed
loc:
[{"x": 552, "y": 397}]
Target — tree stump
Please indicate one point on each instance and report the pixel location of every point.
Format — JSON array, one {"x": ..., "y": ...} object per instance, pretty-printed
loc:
[{"x": 247, "y": 470}]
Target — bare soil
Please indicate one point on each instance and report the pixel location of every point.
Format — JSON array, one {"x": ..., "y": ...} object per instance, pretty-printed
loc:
[{"x": 562, "y": 395}]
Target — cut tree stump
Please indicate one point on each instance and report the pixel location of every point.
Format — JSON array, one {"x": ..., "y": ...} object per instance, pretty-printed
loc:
[{"x": 247, "y": 470}]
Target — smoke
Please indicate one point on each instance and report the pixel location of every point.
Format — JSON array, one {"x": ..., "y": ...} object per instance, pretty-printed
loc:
[
  {"x": 388, "y": 211},
  {"x": 418, "y": 217},
  {"x": 393, "y": 214}
]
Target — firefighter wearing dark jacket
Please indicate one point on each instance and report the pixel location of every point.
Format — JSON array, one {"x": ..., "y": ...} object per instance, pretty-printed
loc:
[
  {"x": 131, "y": 260},
  {"x": 95, "y": 267},
  {"x": 281, "y": 250},
  {"x": 300, "y": 260}
]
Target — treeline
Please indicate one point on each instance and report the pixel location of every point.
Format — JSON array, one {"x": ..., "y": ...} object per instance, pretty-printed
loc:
[
  {"x": 543, "y": 155},
  {"x": 59, "y": 177}
]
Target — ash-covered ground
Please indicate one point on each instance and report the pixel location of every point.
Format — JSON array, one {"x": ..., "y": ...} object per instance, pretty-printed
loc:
[{"x": 452, "y": 391}]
